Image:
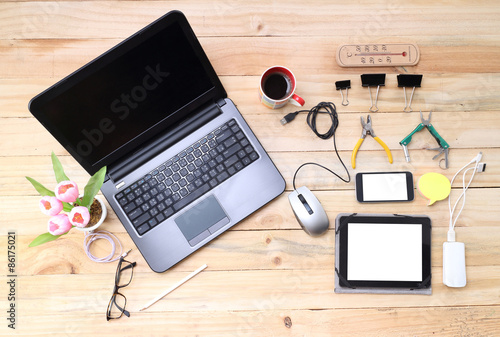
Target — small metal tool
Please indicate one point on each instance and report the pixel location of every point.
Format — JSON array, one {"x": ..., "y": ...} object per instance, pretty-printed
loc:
[
  {"x": 409, "y": 80},
  {"x": 344, "y": 85},
  {"x": 443, "y": 145},
  {"x": 368, "y": 130},
  {"x": 373, "y": 80}
]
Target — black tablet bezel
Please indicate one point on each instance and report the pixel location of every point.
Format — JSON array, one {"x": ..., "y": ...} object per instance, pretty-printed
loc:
[
  {"x": 410, "y": 191},
  {"x": 343, "y": 231}
]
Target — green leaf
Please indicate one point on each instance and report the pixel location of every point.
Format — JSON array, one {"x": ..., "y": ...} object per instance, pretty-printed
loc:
[
  {"x": 67, "y": 207},
  {"x": 58, "y": 169},
  {"x": 93, "y": 187},
  {"x": 40, "y": 188},
  {"x": 43, "y": 238}
]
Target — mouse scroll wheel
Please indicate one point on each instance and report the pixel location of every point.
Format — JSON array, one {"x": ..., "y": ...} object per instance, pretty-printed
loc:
[{"x": 306, "y": 205}]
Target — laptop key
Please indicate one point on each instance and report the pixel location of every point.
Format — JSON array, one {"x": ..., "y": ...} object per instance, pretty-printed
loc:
[
  {"x": 140, "y": 220},
  {"x": 139, "y": 201},
  {"x": 240, "y": 135},
  {"x": 223, "y": 176},
  {"x": 135, "y": 213},
  {"x": 168, "y": 212},
  {"x": 168, "y": 172},
  {"x": 213, "y": 183},
  {"x": 231, "y": 161},
  {"x": 143, "y": 229},
  {"x": 230, "y": 141},
  {"x": 160, "y": 217},
  {"x": 223, "y": 136},
  {"x": 153, "y": 212},
  {"x": 232, "y": 150},
  {"x": 183, "y": 192},
  {"x": 152, "y": 223},
  {"x": 129, "y": 207}
]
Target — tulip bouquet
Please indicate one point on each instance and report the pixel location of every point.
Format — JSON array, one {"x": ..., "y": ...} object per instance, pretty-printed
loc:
[{"x": 66, "y": 198}]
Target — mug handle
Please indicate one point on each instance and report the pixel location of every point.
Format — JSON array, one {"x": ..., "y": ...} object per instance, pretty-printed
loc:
[{"x": 297, "y": 100}]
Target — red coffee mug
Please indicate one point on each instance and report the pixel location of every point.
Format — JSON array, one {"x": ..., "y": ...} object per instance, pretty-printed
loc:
[{"x": 277, "y": 88}]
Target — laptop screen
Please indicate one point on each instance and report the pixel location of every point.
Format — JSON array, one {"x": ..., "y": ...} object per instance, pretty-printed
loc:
[{"x": 129, "y": 94}]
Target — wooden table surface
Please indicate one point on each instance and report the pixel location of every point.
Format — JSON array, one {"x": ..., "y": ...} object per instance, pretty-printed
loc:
[{"x": 265, "y": 276}]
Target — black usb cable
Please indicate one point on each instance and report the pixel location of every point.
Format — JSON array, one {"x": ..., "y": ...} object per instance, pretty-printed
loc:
[{"x": 330, "y": 109}]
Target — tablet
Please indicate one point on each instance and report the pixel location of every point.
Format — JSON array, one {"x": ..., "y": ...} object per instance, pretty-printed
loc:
[{"x": 383, "y": 251}]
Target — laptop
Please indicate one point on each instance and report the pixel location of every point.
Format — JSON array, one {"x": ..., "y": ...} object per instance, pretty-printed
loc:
[{"x": 183, "y": 166}]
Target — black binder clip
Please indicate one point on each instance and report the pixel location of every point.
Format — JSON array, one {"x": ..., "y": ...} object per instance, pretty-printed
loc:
[
  {"x": 373, "y": 80},
  {"x": 409, "y": 80},
  {"x": 346, "y": 85}
]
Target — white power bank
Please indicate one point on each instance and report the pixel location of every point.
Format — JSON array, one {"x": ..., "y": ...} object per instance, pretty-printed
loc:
[{"x": 454, "y": 264}]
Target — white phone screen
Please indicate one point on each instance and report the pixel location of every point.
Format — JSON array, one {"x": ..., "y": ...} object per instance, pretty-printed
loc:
[{"x": 380, "y": 187}]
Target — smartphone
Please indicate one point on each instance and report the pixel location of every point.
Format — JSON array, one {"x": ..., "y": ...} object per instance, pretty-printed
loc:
[{"x": 384, "y": 186}]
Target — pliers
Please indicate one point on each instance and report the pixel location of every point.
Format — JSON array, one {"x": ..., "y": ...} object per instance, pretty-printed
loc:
[
  {"x": 443, "y": 145},
  {"x": 367, "y": 129}
]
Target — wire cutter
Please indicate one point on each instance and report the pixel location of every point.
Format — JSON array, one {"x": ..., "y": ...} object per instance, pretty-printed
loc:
[{"x": 368, "y": 130}]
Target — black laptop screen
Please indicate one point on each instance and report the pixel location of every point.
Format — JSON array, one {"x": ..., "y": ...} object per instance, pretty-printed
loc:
[{"x": 125, "y": 94}]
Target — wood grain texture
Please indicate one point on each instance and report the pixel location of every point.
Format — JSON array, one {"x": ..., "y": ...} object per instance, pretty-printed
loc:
[{"x": 265, "y": 276}]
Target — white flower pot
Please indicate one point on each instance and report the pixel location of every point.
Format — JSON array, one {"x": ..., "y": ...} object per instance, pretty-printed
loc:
[{"x": 103, "y": 216}]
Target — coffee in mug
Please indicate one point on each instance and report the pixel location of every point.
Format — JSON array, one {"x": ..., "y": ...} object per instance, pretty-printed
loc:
[{"x": 277, "y": 87}]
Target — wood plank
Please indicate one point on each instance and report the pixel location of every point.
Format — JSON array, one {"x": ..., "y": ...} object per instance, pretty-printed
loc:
[
  {"x": 460, "y": 129},
  {"x": 439, "y": 92},
  {"x": 252, "y": 55},
  {"x": 261, "y": 249},
  {"x": 222, "y": 290},
  {"x": 481, "y": 209},
  {"x": 440, "y": 321},
  {"x": 14, "y": 169},
  {"x": 319, "y": 18}
]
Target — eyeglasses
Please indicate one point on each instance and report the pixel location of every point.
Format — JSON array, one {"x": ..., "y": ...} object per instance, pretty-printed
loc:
[{"x": 123, "y": 277}]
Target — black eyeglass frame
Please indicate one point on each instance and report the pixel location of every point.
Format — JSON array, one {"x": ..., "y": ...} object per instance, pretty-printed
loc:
[{"x": 117, "y": 287}]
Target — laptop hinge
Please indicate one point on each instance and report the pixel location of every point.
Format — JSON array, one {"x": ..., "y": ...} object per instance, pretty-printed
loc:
[
  {"x": 221, "y": 102},
  {"x": 162, "y": 142}
]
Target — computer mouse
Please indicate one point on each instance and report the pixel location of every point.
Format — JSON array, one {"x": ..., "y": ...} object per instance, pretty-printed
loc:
[{"x": 308, "y": 211}]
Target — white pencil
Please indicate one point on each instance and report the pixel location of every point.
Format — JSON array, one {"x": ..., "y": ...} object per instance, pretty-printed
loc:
[{"x": 175, "y": 286}]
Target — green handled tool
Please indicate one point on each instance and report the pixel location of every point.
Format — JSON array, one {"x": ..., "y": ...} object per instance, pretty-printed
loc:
[{"x": 443, "y": 145}]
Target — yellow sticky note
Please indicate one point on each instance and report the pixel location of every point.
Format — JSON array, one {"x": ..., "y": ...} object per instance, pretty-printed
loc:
[{"x": 434, "y": 186}]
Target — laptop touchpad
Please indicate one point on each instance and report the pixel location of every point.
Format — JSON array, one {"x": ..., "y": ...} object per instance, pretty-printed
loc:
[{"x": 201, "y": 221}]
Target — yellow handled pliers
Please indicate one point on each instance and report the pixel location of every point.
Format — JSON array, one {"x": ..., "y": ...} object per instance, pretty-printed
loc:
[{"x": 367, "y": 130}]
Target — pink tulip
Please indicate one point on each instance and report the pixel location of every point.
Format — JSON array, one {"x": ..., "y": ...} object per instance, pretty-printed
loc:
[
  {"x": 67, "y": 191},
  {"x": 79, "y": 216},
  {"x": 59, "y": 224},
  {"x": 50, "y": 205}
]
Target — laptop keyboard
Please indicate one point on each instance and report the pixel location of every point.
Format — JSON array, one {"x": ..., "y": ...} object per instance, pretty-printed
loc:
[{"x": 186, "y": 176}]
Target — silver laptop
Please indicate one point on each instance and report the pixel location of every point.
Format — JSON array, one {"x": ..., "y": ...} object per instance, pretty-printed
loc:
[{"x": 183, "y": 165}]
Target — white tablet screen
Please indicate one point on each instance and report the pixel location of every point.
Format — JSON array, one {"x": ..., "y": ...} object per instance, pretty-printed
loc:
[
  {"x": 380, "y": 187},
  {"x": 384, "y": 252}
]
